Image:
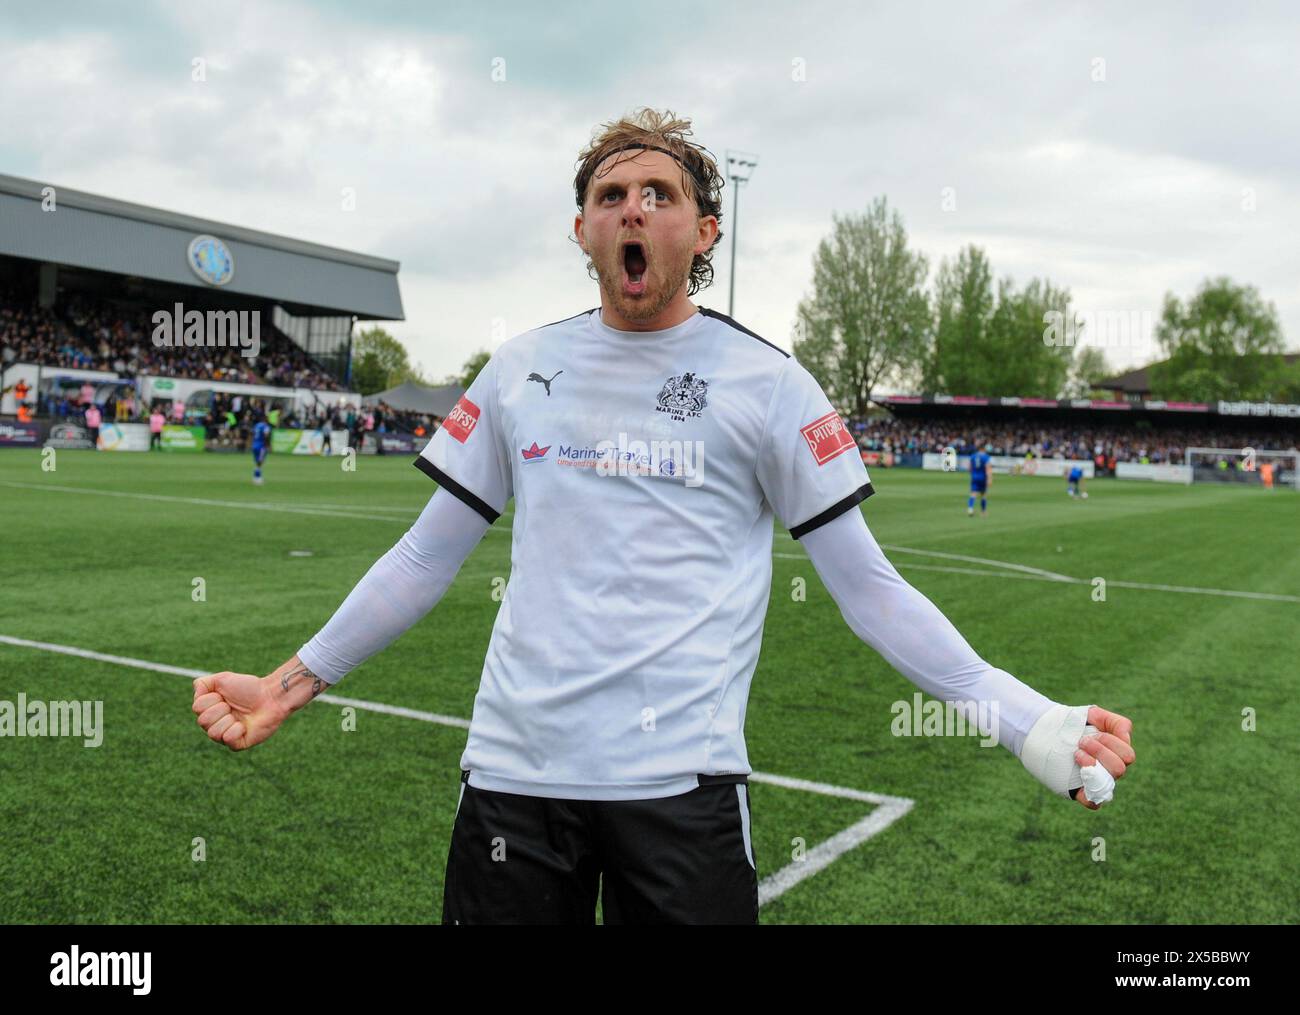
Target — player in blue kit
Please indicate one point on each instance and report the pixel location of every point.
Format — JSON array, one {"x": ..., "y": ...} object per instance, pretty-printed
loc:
[
  {"x": 1074, "y": 484},
  {"x": 261, "y": 445},
  {"x": 979, "y": 481}
]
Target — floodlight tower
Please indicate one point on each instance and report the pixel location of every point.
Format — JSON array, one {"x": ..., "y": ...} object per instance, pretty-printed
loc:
[{"x": 740, "y": 166}]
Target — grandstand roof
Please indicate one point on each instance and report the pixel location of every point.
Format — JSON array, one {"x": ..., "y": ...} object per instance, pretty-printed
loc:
[
  {"x": 1138, "y": 380},
  {"x": 104, "y": 234},
  {"x": 412, "y": 397},
  {"x": 1134, "y": 382}
]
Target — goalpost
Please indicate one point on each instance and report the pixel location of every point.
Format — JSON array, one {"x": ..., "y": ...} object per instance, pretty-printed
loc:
[{"x": 1242, "y": 465}]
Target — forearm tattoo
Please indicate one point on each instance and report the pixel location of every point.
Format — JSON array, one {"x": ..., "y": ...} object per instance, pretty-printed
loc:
[{"x": 317, "y": 685}]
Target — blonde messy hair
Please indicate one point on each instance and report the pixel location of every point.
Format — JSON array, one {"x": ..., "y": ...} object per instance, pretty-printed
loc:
[{"x": 700, "y": 177}]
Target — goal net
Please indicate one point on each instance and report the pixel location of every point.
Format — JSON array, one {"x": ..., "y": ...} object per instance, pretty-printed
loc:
[{"x": 1257, "y": 466}]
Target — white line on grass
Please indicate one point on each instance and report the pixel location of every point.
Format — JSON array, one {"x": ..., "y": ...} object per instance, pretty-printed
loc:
[
  {"x": 181, "y": 671},
  {"x": 888, "y": 809},
  {"x": 1276, "y": 597},
  {"x": 205, "y": 502},
  {"x": 408, "y": 509},
  {"x": 1028, "y": 572},
  {"x": 322, "y": 510},
  {"x": 1273, "y": 596},
  {"x": 1036, "y": 574},
  {"x": 1038, "y": 571}
]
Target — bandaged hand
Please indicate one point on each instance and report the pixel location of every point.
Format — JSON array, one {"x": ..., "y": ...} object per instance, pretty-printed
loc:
[{"x": 1079, "y": 752}]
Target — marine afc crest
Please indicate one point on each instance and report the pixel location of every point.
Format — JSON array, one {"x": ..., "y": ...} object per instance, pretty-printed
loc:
[{"x": 684, "y": 396}]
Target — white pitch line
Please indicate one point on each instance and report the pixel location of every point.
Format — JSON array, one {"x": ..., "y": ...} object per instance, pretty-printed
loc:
[
  {"x": 413, "y": 509},
  {"x": 825, "y": 853},
  {"x": 1276, "y": 597},
  {"x": 318, "y": 510},
  {"x": 205, "y": 502},
  {"x": 1273, "y": 596},
  {"x": 181, "y": 671},
  {"x": 1032, "y": 572},
  {"x": 1036, "y": 571},
  {"x": 988, "y": 574},
  {"x": 888, "y": 808},
  {"x": 980, "y": 560}
]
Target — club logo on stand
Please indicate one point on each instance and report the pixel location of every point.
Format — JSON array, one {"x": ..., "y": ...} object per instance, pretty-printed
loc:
[{"x": 210, "y": 259}]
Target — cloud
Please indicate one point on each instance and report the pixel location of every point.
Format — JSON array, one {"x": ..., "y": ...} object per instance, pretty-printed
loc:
[{"x": 1177, "y": 164}]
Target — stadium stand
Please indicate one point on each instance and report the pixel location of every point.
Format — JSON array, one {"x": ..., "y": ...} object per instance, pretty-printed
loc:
[
  {"x": 1111, "y": 443},
  {"x": 89, "y": 335}
]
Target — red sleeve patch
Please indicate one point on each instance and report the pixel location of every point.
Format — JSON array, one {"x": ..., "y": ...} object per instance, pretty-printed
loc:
[
  {"x": 827, "y": 437},
  {"x": 462, "y": 419}
]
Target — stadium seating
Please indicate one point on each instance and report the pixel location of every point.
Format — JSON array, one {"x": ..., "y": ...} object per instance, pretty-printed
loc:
[
  {"x": 92, "y": 335},
  {"x": 1082, "y": 441}
]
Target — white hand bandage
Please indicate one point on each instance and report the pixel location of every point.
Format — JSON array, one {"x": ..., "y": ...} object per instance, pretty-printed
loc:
[
  {"x": 1098, "y": 783},
  {"x": 1049, "y": 754}
]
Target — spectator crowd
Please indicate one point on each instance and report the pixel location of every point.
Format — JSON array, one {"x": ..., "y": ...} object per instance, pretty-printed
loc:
[
  {"x": 90, "y": 335},
  {"x": 1104, "y": 445},
  {"x": 229, "y": 421},
  {"x": 85, "y": 334}
]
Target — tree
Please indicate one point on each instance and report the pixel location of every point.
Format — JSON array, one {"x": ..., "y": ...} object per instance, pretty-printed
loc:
[
  {"x": 994, "y": 346},
  {"x": 472, "y": 367},
  {"x": 1089, "y": 370},
  {"x": 1288, "y": 383},
  {"x": 958, "y": 360},
  {"x": 1224, "y": 343},
  {"x": 379, "y": 361},
  {"x": 1019, "y": 360},
  {"x": 868, "y": 317}
]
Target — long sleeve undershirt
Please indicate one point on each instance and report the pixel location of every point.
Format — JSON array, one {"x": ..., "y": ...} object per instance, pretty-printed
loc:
[
  {"x": 400, "y": 588},
  {"x": 878, "y": 604},
  {"x": 909, "y": 631}
]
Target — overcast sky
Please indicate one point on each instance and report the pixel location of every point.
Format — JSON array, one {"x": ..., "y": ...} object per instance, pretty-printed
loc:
[{"x": 1120, "y": 150}]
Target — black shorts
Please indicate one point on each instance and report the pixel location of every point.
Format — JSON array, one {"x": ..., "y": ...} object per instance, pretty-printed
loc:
[{"x": 680, "y": 859}]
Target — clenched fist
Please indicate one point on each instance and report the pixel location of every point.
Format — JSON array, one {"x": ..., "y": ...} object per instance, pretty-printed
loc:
[
  {"x": 237, "y": 709},
  {"x": 1111, "y": 747}
]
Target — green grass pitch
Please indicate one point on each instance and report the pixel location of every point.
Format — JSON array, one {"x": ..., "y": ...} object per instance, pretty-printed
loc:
[{"x": 323, "y": 825}]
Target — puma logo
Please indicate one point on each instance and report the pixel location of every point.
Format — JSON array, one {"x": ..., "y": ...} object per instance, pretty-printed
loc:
[{"x": 545, "y": 381}]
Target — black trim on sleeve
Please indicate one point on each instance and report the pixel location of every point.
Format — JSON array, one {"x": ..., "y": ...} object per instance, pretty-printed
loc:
[
  {"x": 451, "y": 486},
  {"x": 833, "y": 512}
]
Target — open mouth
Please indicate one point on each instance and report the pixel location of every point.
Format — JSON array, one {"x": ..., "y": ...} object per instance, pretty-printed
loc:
[{"x": 634, "y": 268}]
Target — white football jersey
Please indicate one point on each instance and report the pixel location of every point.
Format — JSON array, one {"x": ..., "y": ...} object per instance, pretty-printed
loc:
[{"x": 645, "y": 469}]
